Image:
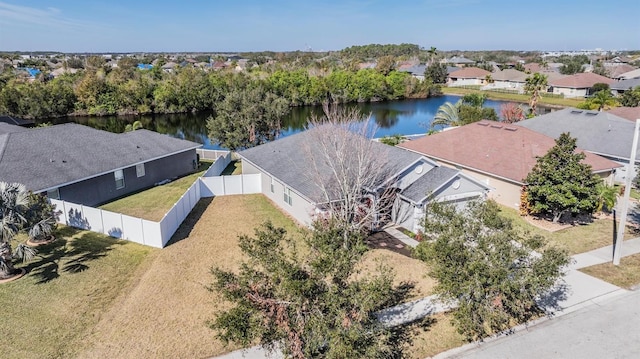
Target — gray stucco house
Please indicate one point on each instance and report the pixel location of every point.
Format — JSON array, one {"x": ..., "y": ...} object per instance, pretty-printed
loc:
[
  {"x": 285, "y": 168},
  {"x": 83, "y": 165},
  {"x": 598, "y": 132}
]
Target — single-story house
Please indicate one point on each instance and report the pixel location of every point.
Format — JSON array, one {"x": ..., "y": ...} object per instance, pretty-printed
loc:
[
  {"x": 416, "y": 71},
  {"x": 290, "y": 168},
  {"x": 84, "y": 165},
  {"x": 577, "y": 85},
  {"x": 619, "y": 87},
  {"x": 598, "y": 132},
  {"x": 508, "y": 79},
  {"x": 460, "y": 61},
  {"x": 631, "y": 74},
  {"x": 500, "y": 156},
  {"x": 468, "y": 76}
]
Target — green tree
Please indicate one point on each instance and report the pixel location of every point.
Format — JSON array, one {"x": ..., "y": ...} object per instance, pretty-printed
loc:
[
  {"x": 247, "y": 118},
  {"x": 560, "y": 183},
  {"x": 316, "y": 304},
  {"x": 534, "y": 84},
  {"x": 493, "y": 271},
  {"x": 14, "y": 205},
  {"x": 433, "y": 52},
  {"x": 602, "y": 100},
  {"x": 393, "y": 139},
  {"x": 437, "y": 73},
  {"x": 607, "y": 198},
  {"x": 470, "y": 114},
  {"x": 474, "y": 99},
  {"x": 631, "y": 97},
  {"x": 386, "y": 64}
]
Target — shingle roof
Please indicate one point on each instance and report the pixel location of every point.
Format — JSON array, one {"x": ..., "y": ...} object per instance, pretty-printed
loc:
[
  {"x": 288, "y": 160},
  {"x": 43, "y": 158},
  {"x": 633, "y": 74},
  {"x": 428, "y": 183},
  {"x": 491, "y": 147},
  {"x": 460, "y": 60},
  {"x": 580, "y": 80},
  {"x": 598, "y": 132},
  {"x": 628, "y": 113},
  {"x": 509, "y": 75},
  {"x": 625, "y": 84},
  {"x": 470, "y": 73}
]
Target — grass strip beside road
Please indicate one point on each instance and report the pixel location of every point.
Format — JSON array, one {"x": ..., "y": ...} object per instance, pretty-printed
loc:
[
  {"x": 520, "y": 98},
  {"x": 626, "y": 275}
]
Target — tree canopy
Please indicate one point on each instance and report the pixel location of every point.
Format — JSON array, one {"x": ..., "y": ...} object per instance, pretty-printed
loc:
[
  {"x": 487, "y": 267},
  {"x": 247, "y": 118},
  {"x": 560, "y": 183}
]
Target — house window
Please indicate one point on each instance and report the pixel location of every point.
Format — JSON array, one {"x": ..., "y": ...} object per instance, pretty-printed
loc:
[
  {"x": 140, "y": 170},
  {"x": 53, "y": 193},
  {"x": 287, "y": 195},
  {"x": 119, "y": 175},
  {"x": 272, "y": 185}
]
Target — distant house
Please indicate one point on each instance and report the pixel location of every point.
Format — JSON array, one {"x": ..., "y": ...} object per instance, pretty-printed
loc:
[
  {"x": 468, "y": 76},
  {"x": 416, "y": 71},
  {"x": 631, "y": 74},
  {"x": 577, "y": 85},
  {"x": 459, "y": 61},
  {"x": 601, "y": 133},
  {"x": 169, "y": 67},
  {"x": 619, "y": 87},
  {"x": 87, "y": 166},
  {"x": 288, "y": 179},
  {"x": 498, "y": 155},
  {"x": 508, "y": 79}
]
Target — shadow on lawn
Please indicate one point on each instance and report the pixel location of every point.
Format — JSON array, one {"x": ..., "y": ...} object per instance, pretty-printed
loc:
[
  {"x": 69, "y": 256},
  {"x": 187, "y": 225}
]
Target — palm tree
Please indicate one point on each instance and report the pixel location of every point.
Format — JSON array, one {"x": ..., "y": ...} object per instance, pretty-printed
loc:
[
  {"x": 603, "y": 99},
  {"x": 433, "y": 52},
  {"x": 448, "y": 115},
  {"x": 14, "y": 204},
  {"x": 607, "y": 197},
  {"x": 533, "y": 85}
]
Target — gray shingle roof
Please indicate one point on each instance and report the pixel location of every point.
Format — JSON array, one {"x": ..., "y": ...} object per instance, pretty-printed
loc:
[
  {"x": 625, "y": 84},
  {"x": 287, "y": 159},
  {"x": 428, "y": 183},
  {"x": 598, "y": 132},
  {"x": 42, "y": 158}
]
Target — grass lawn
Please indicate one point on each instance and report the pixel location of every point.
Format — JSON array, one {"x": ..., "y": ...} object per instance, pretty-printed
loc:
[
  {"x": 576, "y": 239},
  {"x": 554, "y": 101},
  {"x": 153, "y": 203},
  {"x": 626, "y": 275},
  {"x": 48, "y": 312}
]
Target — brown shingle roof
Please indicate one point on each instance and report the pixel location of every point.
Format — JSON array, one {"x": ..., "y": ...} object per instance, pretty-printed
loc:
[
  {"x": 580, "y": 80},
  {"x": 629, "y": 113},
  {"x": 494, "y": 148},
  {"x": 470, "y": 73},
  {"x": 509, "y": 75}
]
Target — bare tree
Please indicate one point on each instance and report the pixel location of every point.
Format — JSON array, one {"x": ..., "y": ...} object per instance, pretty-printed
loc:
[{"x": 352, "y": 173}]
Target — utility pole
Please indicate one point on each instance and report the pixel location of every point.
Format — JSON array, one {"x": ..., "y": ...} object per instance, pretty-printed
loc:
[{"x": 617, "y": 249}]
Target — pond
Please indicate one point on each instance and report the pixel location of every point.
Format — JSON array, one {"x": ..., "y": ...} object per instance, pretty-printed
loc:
[{"x": 403, "y": 117}]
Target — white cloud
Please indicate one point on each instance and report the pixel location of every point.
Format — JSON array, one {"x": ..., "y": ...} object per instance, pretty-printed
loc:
[{"x": 50, "y": 16}]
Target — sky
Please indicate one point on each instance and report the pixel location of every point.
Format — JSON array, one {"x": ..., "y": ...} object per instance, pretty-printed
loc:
[{"x": 289, "y": 25}]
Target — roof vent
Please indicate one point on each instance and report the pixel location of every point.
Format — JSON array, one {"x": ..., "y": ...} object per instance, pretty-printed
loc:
[
  {"x": 575, "y": 112},
  {"x": 496, "y": 126},
  {"x": 513, "y": 129},
  {"x": 482, "y": 123},
  {"x": 591, "y": 113}
]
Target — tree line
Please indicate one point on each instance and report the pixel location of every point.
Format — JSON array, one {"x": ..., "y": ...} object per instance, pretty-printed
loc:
[{"x": 99, "y": 89}]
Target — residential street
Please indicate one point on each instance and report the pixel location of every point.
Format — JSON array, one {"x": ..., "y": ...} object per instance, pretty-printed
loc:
[{"x": 608, "y": 329}]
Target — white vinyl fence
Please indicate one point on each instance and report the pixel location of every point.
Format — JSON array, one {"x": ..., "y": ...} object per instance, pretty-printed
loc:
[{"x": 158, "y": 234}]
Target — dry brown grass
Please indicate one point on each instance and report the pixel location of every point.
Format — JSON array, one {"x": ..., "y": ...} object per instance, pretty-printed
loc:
[
  {"x": 164, "y": 314},
  {"x": 626, "y": 275},
  {"x": 435, "y": 338},
  {"x": 406, "y": 269}
]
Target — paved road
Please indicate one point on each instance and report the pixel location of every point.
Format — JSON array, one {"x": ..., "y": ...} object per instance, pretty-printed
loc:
[{"x": 609, "y": 329}]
